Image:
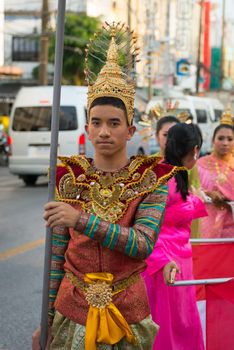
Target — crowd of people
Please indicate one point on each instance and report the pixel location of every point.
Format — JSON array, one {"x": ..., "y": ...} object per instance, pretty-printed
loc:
[{"x": 121, "y": 227}]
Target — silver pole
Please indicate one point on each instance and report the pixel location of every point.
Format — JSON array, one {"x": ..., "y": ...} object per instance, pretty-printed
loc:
[
  {"x": 166, "y": 54},
  {"x": 53, "y": 163},
  {"x": 211, "y": 240},
  {"x": 203, "y": 281}
]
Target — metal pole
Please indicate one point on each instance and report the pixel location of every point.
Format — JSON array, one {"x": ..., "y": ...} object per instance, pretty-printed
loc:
[
  {"x": 129, "y": 14},
  {"x": 211, "y": 240},
  {"x": 150, "y": 92},
  {"x": 53, "y": 163},
  {"x": 199, "y": 47},
  {"x": 167, "y": 52},
  {"x": 43, "y": 71},
  {"x": 222, "y": 73},
  {"x": 198, "y": 282}
]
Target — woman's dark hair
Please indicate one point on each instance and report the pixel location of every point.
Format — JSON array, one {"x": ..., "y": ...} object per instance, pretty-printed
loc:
[
  {"x": 181, "y": 140},
  {"x": 165, "y": 120},
  {"x": 221, "y": 126},
  {"x": 108, "y": 100}
]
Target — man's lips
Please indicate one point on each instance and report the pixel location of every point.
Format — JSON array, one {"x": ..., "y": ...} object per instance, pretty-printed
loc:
[{"x": 104, "y": 143}]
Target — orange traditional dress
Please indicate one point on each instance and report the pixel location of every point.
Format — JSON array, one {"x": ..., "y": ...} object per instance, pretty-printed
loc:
[
  {"x": 96, "y": 288},
  {"x": 217, "y": 175}
]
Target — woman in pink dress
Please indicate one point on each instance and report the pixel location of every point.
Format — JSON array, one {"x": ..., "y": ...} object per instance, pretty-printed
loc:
[
  {"x": 174, "y": 309},
  {"x": 216, "y": 173}
]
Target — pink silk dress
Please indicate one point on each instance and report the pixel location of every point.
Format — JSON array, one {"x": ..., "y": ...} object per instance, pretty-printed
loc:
[
  {"x": 217, "y": 175},
  {"x": 174, "y": 309}
]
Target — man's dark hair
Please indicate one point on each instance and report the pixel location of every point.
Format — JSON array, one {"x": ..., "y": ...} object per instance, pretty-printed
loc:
[{"x": 108, "y": 100}]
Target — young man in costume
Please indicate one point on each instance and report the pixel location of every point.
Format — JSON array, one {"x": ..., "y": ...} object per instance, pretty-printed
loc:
[{"x": 105, "y": 224}]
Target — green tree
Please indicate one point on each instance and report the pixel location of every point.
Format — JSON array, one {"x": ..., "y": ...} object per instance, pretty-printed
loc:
[{"x": 79, "y": 28}]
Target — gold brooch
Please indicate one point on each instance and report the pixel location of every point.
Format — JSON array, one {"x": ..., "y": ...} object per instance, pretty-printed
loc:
[{"x": 99, "y": 295}]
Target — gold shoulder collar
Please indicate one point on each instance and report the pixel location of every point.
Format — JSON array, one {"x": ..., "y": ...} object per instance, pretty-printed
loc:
[{"x": 108, "y": 195}]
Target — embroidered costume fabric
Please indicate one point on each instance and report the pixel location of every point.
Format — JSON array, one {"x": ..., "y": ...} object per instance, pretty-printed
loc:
[
  {"x": 71, "y": 336},
  {"x": 131, "y": 234}
]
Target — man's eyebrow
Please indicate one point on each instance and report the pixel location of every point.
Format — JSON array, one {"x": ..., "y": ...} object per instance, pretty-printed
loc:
[
  {"x": 114, "y": 119},
  {"x": 95, "y": 118}
]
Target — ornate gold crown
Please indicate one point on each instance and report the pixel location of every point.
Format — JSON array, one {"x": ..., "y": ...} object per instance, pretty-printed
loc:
[
  {"x": 227, "y": 117},
  {"x": 170, "y": 109},
  {"x": 117, "y": 43}
]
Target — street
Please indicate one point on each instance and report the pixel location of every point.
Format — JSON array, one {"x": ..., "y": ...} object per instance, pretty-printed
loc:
[{"x": 22, "y": 234}]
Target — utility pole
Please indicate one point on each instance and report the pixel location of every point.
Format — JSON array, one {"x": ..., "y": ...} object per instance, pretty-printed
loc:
[
  {"x": 129, "y": 14},
  {"x": 199, "y": 47},
  {"x": 44, "y": 44},
  {"x": 150, "y": 88},
  {"x": 166, "y": 52},
  {"x": 222, "y": 74}
]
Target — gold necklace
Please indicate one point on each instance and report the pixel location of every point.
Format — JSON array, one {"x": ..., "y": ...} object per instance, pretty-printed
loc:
[{"x": 221, "y": 176}]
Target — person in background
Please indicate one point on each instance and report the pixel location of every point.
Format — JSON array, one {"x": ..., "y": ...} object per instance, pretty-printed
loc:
[
  {"x": 216, "y": 172},
  {"x": 166, "y": 118},
  {"x": 174, "y": 309}
]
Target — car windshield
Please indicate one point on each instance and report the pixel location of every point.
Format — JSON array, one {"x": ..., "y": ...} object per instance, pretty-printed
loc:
[{"x": 39, "y": 118}]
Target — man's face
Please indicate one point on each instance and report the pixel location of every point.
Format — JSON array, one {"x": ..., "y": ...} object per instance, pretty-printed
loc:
[{"x": 108, "y": 130}]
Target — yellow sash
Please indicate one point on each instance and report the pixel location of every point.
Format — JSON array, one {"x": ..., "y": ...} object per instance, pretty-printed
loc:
[{"x": 105, "y": 323}]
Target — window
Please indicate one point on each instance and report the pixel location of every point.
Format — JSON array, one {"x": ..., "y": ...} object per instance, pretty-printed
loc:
[
  {"x": 218, "y": 113},
  {"x": 25, "y": 48},
  {"x": 39, "y": 118},
  {"x": 201, "y": 116}
]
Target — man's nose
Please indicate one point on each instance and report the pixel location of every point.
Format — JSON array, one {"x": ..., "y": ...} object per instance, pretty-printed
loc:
[{"x": 104, "y": 131}]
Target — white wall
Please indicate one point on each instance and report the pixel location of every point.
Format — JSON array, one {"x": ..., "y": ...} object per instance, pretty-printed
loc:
[{"x": 1, "y": 32}]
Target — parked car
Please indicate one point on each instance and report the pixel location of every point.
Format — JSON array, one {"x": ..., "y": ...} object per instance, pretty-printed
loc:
[{"x": 30, "y": 125}]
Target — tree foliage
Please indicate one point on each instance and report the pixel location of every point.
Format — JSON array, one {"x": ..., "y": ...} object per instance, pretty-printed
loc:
[{"x": 79, "y": 28}]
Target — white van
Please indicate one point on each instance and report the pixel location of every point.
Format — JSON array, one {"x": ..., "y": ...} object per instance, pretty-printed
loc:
[
  {"x": 215, "y": 107},
  {"x": 30, "y": 124},
  {"x": 198, "y": 108}
]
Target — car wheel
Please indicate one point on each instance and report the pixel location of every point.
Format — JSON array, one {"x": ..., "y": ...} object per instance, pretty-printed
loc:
[{"x": 29, "y": 180}]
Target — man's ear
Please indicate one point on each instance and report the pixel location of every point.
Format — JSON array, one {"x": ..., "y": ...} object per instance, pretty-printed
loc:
[
  {"x": 87, "y": 130},
  {"x": 131, "y": 132}
]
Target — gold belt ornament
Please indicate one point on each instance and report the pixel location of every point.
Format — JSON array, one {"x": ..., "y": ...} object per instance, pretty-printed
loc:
[{"x": 105, "y": 323}]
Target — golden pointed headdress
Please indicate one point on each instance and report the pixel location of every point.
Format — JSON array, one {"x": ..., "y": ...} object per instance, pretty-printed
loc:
[
  {"x": 170, "y": 109},
  {"x": 115, "y": 43},
  {"x": 227, "y": 117}
]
